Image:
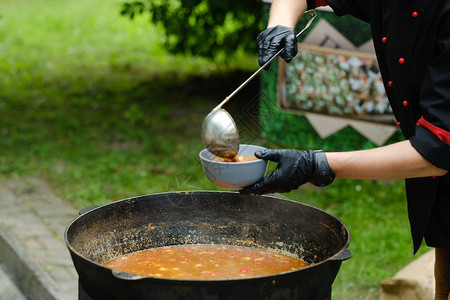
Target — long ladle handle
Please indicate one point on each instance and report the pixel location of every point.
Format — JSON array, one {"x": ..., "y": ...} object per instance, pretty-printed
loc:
[{"x": 313, "y": 14}]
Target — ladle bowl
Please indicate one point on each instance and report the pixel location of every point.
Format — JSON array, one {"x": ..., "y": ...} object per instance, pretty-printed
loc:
[{"x": 220, "y": 134}]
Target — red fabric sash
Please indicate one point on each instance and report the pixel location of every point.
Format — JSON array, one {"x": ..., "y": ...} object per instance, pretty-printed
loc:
[
  {"x": 321, "y": 3},
  {"x": 442, "y": 134}
]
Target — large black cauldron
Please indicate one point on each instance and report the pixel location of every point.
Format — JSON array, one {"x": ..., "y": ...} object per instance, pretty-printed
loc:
[{"x": 207, "y": 218}]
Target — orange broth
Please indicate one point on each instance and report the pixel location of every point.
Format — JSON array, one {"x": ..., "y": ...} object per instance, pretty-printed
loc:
[
  {"x": 239, "y": 158},
  {"x": 205, "y": 262}
]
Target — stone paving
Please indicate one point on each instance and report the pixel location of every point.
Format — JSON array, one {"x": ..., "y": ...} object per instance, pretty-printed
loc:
[
  {"x": 36, "y": 218},
  {"x": 8, "y": 290}
]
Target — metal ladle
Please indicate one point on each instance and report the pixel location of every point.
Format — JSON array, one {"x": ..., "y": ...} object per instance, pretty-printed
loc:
[{"x": 219, "y": 131}]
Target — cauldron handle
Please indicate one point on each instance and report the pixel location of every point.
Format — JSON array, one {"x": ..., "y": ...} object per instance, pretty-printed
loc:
[
  {"x": 344, "y": 254},
  {"x": 125, "y": 275},
  {"x": 87, "y": 209}
]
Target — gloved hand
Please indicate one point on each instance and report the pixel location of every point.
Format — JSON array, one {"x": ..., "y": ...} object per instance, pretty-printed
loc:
[
  {"x": 272, "y": 40},
  {"x": 294, "y": 169}
]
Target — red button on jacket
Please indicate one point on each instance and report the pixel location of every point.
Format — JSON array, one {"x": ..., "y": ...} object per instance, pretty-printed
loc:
[
  {"x": 415, "y": 14},
  {"x": 401, "y": 60}
]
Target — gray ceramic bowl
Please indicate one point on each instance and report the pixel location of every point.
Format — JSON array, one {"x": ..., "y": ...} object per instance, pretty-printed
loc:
[{"x": 234, "y": 175}]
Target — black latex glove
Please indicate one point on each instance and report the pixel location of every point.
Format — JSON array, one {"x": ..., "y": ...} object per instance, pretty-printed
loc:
[
  {"x": 272, "y": 40},
  {"x": 294, "y": 169}
]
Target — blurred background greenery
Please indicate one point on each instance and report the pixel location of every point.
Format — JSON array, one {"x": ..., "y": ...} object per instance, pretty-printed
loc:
[{"x": 98, "y": 106}]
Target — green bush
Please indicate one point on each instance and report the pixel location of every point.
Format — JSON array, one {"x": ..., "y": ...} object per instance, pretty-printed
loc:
[{"x": 207, "y": 28}]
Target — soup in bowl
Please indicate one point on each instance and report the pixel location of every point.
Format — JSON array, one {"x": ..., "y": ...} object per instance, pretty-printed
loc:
[{"x": 237, "y": 173}]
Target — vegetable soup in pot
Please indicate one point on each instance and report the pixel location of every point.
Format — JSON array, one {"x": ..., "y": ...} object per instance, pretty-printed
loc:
[{"x": 205, "y": 262}]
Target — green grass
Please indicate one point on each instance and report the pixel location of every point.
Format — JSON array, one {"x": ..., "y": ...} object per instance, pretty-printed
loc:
[{"x": 91, "y": 102}]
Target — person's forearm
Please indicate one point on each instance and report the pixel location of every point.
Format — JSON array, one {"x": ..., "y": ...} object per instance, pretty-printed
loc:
[
  {"x": 286, "y": 12},
  {"x": 396, "y": 161}
]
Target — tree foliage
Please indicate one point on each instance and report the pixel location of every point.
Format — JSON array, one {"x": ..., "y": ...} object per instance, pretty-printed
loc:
[{"x": 205, "y": 28}]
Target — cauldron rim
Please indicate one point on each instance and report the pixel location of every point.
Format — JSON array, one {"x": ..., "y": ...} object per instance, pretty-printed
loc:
[{"x": 342, "y": 254}]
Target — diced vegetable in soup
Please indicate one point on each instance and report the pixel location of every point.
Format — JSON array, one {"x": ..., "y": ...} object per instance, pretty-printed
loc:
[
  {"x": 239, "y": 158},
  {"x": 205, "y": 262}
]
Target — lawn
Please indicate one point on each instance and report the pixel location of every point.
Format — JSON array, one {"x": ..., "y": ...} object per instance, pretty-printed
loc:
[{"x": 92, "y": 103}]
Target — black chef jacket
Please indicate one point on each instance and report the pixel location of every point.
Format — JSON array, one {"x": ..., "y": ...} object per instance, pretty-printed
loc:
[{"x": 412, "y": 43}]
